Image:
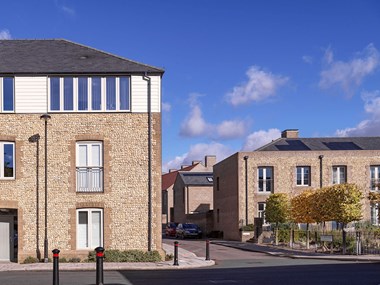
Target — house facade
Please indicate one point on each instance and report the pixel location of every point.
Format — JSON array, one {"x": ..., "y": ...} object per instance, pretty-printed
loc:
[
  {"x": 291, "y": 165},
  {"x": 96, "y": 118},
  {"x": 169, "y": 178}
]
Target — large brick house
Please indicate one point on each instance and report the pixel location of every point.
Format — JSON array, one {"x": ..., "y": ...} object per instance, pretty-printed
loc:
[
  {"x": 101, "y": 114},
  {"x": 290, "y": 165}
]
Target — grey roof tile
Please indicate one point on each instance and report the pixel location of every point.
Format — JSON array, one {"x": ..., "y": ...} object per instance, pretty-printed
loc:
[
  {"x": 305, "y": 144},
  {"x": 196, "y": 178},
  {"x": 63, "y": 57}
]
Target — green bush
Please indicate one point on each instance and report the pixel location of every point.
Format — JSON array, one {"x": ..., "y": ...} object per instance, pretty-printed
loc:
[
  {"x": 115, "y": 255},
  {"x": 30, "y": 259},
  {"x": 74, "y": 260},
  {"x": 63, "y": 260}
]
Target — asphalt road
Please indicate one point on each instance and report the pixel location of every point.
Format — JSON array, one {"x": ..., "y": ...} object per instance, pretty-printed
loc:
[{"x": 233, "y": 266}]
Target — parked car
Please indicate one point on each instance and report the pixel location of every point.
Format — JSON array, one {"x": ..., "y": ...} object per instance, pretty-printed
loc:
[
  {"x": 170, "y": 229},
  {"x": 188, "y": 230}
]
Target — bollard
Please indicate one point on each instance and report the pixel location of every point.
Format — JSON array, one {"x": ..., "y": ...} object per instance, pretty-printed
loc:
[
  {"x": 176, "y": 253},
  {"x": 55, "y": 266},
  {"x": 99, "y": 265},
  {"x": 207, "y": 250}
]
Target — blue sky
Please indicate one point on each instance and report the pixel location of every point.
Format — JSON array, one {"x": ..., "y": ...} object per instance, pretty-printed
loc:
[{"x": 238, "y": 72}]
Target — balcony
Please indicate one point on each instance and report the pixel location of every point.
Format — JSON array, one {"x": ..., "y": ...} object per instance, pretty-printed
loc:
[{"x": 89, "y": 179}]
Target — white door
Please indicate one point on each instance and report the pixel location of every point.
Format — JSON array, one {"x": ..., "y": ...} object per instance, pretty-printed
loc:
[{"x": 4, "y": 241}]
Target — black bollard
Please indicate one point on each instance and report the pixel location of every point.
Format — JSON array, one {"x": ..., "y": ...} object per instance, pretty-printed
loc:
[
  {"x": 99, "y": 265},
  {"x": 55, "y": 266},
  {"x": 176, "y": 253},
  {"x": 207, "y": 250}
]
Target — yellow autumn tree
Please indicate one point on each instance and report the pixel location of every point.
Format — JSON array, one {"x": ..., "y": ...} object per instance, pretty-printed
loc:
[
  {"x": 301, "y": 207},
  {"x": 277, "y": 210}
]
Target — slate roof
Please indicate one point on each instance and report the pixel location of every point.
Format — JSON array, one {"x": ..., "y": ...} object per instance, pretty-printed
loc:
[
  {"x": 168, "y": 179},
  {"x": 196, "y": 178},
  {"x": 306, "y": 144},
  {"x": 63, "y": 57}
]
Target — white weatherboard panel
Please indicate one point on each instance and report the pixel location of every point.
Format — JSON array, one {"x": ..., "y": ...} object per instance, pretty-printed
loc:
[
  {"x": 139, "y": 97},
  {"x": 30, "y": 94},
  {"x": 4, "y": 242}
]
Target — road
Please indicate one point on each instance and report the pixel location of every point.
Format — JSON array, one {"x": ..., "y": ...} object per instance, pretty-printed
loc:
[{"x": 233, "y": 266}]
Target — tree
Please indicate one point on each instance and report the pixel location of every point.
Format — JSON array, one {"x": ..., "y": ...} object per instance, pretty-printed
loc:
[
  {"x": 301, "y": 207},
  {"x": 277, "y": 210}
]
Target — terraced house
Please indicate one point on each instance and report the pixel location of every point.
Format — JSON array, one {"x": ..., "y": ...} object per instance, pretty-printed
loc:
[
  {"x": 291, "y": 164},
  {"x": 80, "y": 150}
]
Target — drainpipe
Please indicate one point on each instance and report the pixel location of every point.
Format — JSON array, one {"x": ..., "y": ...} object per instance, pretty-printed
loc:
[
  {"x": 320, "y": 171},
  {"x": 148, "y": 79},
  {"x": 246, "y": 189}
]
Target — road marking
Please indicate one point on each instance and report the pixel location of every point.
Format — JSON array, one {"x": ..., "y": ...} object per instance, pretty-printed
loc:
[{"x": 222, "y": 281}]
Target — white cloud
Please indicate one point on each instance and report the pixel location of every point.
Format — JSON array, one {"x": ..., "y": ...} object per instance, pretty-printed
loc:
[
  {"x": 370, "y": 126},
  {"x": 198, "y": 152},
  {"x": 307, "y": 59},
  {"x": 68, "y": 10},
  {"x": 5, "y": 35},
  {"x": 260, "y": 86},
  {"x": 260, "y": 138},
  {"x": 349, "y": 75},
  {"x": 195, "y": 125},
  {"x": 166, "y": 107},
  {"x": 231, "y": 129}
]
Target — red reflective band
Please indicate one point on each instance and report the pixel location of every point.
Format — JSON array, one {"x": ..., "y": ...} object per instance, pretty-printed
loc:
[
  {"x": 99, "y": 254},
  {"x": 55, "y": 255}
]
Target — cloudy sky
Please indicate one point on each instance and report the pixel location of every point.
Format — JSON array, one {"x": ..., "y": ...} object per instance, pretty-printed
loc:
[{"x": 238, "y": 72}]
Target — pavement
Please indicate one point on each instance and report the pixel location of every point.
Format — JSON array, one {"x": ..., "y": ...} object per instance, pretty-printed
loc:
[
  {"x": 187, "y": 259},
  {"x": 294, "y": 253}
]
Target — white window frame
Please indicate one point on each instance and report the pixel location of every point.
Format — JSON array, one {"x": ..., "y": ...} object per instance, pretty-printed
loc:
[
  {"x": 2, "y": 95},
  {"x": 261, "y": 213},
  {"x": 376, "y": 178},
  {"x": 302, "y": 168},
  {"x": 336, "y": 172},
  {"x": 89, "y": 227},
  {"x": 89, "y": 145},
  {"x": 374, "y": 214},
  {"x": 264, "y": 180},
  {"x": 89, "y": 94},
  {"x": 2, "y": 177}
]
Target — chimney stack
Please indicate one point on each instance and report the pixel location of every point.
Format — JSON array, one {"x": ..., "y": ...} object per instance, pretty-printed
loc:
[
  {"x": 210, "y": 160},
  {"x": 290, "y": 134}
]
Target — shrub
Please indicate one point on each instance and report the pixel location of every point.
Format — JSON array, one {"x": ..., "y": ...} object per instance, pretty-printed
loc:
[
  {"x": 30, "y": 259},
  {"x": 63, "y": 260},
  {"x": 115, "y": 255},
  {"x": 247, "y": 228},
  {"x": 74, "y": 260}
]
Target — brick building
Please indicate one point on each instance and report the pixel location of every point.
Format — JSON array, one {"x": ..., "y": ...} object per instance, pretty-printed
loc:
[
  {"x": 168, "y": 180},
  {"x": 103, "y": 126},
  {"x": 290, "y": 165}
]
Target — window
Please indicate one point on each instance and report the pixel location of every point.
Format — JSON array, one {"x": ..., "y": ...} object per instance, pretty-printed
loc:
[
  {"x": 7, "y": 94},
  {"x": 78, "y": 94},
  {"x": 375, "y": 173},
  {"x": 7, "y": 159},
  {"x": 89, "y": 167},
  {"x": 265, "y": 179},
  {"x": 261, "y": 210},
  {"x": 375, "y": 214},
  {"x": 339, "y": 174},
  {"x": 303, "y": 175},
  {"x": 89, "y": 228}
]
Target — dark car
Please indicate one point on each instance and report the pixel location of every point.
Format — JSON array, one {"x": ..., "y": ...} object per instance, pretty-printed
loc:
[
  {"x": 170, "y": 229},
  {"x": 188, "y": 230}
]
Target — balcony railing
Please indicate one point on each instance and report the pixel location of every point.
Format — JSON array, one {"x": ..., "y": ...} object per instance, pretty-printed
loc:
[{"x": 89, "y": 179}]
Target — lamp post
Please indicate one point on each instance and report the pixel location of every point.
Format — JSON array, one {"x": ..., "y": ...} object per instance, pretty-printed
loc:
[
  {"x": 45, "y": 117},
  {"x": 246, "y": 189}
]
